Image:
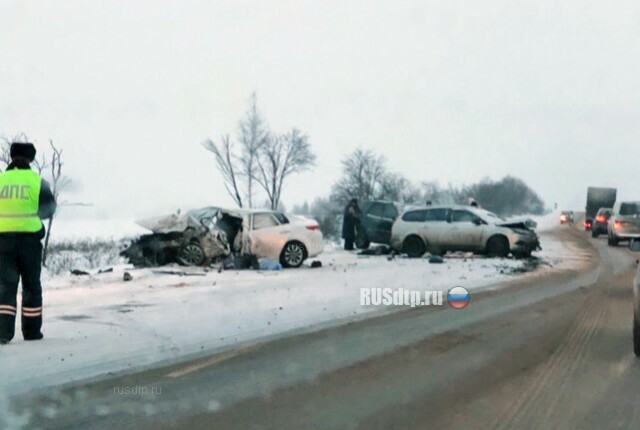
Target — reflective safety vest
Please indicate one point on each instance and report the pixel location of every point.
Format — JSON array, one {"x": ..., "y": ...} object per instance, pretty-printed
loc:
[{"x": 19, "y": 201}]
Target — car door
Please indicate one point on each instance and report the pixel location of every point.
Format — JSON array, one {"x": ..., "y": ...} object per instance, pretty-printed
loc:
[
  {"x": 466, "y": 232},
  {"x": 434, "y": 228},
  {"x": 374, "y": 223},
  {"x": 388, "y": 217},
  {"x": 268, "y": 235}
]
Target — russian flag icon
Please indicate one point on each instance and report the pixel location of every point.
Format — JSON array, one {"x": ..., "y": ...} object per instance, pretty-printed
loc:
[{"x": 458, "y": 297}]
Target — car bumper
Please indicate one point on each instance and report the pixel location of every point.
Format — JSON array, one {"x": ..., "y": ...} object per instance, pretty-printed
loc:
[
  {"x": 626, "y": 236},
  {"x": 315, "y": 245},
  {"x": 524, "y": 243}
]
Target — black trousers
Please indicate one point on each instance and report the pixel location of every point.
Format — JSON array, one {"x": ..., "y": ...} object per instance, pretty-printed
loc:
[
  {"x": 20, "y": 259},
  {"x": 348, "y": 244}
]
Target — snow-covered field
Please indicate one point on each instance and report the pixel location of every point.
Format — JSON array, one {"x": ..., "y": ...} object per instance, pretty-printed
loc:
[{"x": 98, "y": 324}]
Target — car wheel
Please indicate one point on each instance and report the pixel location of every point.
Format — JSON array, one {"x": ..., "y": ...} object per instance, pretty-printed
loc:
[
  {"x": 497, "y": 246},
  {"x": 613, "y": 241},
  {"x": 594, "y": 233},
  {"x": 293, "y": 254},
  {"x": 191, "y": 254},
  {"x": 636, "y": 336},
  {"x": 414, "y": 247}
]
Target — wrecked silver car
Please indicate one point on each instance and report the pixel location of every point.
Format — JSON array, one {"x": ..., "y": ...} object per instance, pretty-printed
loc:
[
  {"x": 210, "y": 235},
  {"x": 199, "y": 237}
]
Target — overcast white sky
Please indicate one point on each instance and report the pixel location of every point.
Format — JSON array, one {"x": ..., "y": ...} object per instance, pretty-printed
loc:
[{"x": 448, "y": 90}]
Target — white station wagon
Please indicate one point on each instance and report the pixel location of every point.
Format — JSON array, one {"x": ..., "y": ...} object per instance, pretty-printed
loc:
[{"x": 438, "y": 229}]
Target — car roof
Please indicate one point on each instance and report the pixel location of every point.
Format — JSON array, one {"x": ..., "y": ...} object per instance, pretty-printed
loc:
[{"x": 420, "y": 207}]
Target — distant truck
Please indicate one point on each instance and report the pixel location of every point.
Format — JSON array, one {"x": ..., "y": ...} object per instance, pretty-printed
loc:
[{"x": 597, "y": 197}]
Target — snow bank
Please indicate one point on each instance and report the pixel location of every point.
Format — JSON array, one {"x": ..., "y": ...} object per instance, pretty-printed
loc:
[{"x": 100, "y": 324}]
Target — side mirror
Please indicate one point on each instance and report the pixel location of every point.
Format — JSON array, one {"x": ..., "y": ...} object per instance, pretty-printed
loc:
[
  {"x": 477, "y": 221},
  {"x": 634, "y": 245}
]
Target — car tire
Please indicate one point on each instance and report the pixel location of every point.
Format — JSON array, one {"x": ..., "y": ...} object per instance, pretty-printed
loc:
[
  {"x": 293, "y": 254},
  {"x": 594, "y": 233},
  {"x": 191, "y": 254},
  {"x": 498, "y": 246},
  {"x": 636, "y": 336},
  {"x": 414, "y": 247},
  {"x": 613, "y": 241}
]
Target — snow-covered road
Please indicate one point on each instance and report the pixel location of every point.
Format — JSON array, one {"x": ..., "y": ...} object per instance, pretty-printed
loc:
[{"x": 99, "y": 324}]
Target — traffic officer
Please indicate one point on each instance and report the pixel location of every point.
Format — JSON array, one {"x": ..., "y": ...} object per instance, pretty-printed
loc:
[{"x": 25, "y": 199}]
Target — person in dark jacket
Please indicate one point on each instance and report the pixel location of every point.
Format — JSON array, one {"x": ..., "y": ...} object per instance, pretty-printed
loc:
[
  {"x": 25, "y": 199},
  {"x": 351, "y": 218}
]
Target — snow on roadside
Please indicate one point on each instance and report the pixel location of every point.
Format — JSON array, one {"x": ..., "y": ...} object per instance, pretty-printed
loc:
[{"x": 99, "y": 324}]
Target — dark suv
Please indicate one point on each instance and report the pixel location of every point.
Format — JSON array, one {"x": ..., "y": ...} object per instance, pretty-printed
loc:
[
  {"x": 375, "y": 222},
  {"x": 601, "y": 223}
]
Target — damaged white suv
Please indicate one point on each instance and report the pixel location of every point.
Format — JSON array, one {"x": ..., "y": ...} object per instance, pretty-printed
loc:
[
  {"x": 438, "y": 229},
  {"x": 212, "y": 234}
]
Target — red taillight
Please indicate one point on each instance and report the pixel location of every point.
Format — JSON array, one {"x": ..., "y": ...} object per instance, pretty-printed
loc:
[
  {"x": 313, "y": 227},
  {"x": 600, "y": 218},
  {"x": 587, "y": 224},
  {"x": 617, "y": 225}
]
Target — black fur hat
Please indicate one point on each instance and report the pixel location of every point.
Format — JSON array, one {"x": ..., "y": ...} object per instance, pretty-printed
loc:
[{"x": 23, "y": 150}]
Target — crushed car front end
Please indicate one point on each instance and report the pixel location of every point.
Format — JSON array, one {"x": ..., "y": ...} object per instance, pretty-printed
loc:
[{"x": 523, "y": 240}]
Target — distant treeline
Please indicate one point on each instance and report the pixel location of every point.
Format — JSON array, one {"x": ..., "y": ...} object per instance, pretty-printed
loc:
[{"x": 365, "y": 176}]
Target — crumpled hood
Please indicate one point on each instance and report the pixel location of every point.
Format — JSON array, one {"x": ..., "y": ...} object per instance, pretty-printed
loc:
[
  {"x": 519, "y": 222},
  {"x": 169, "y": 224}
]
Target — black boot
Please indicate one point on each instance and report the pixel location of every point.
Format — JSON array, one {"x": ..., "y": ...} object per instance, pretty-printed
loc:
[
  {"x": 34, "y": 337},
  {"x": 4, "y": 341}
]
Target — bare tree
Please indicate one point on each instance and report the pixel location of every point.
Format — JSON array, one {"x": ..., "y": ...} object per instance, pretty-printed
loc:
[
  {"x": 253, "y": 136},
  {"x": 279, "y": 158},
  {"x": 59, "y": 182},
  {"x": 362, "y": 175},
  {"x": 226, "y": 162}
]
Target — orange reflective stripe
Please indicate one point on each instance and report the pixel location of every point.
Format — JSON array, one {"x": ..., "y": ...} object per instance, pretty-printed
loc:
[
  {"x": 32, "y": 309},
  {"x": 3, "y": 312},
  {"x": 7, "y": 307}
]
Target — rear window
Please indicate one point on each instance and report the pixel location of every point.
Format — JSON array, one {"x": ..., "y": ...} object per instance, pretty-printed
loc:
[
  {"x": 630, "y": 208},
  {"x": 263, "y": 221},
  {"x": 436, "y": 215},
  {"x": 376, "y": 209},
  {"x": 414, "y": 216},
  {"x": 281, "y": 218}
]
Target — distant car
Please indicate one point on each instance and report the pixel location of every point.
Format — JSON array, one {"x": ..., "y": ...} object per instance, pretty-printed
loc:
[
  {"x": 601, "y": 222},
  {"x": 624, "y": 223},
  {"x": 566, "y": 217},
  {"x": 634, "y": 245},
  {"x": 375, "y": 223},
  {"x": 208, "y": 234},
  {"x": 438, "y": 229}
]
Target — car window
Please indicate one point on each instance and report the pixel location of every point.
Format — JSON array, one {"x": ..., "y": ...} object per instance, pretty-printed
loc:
[
  {"x": 436, "y": 215},
  {"x": 376, "y": 209},
  {"x": 414, "y": 216},
  {"x": 390, "y": 212},
  {"x": 463, "y": 216},
  {"x": 282, "y": 219},
  {"x": 629, "y": 209},
  {"x": 264, "y": 221}
]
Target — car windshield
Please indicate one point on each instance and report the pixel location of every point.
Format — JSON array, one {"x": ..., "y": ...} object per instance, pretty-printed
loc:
[{"x": 490, "y": 216}]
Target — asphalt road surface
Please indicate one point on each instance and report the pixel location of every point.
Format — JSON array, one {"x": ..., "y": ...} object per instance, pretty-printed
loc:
[{"x": 545, "y": 352}]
